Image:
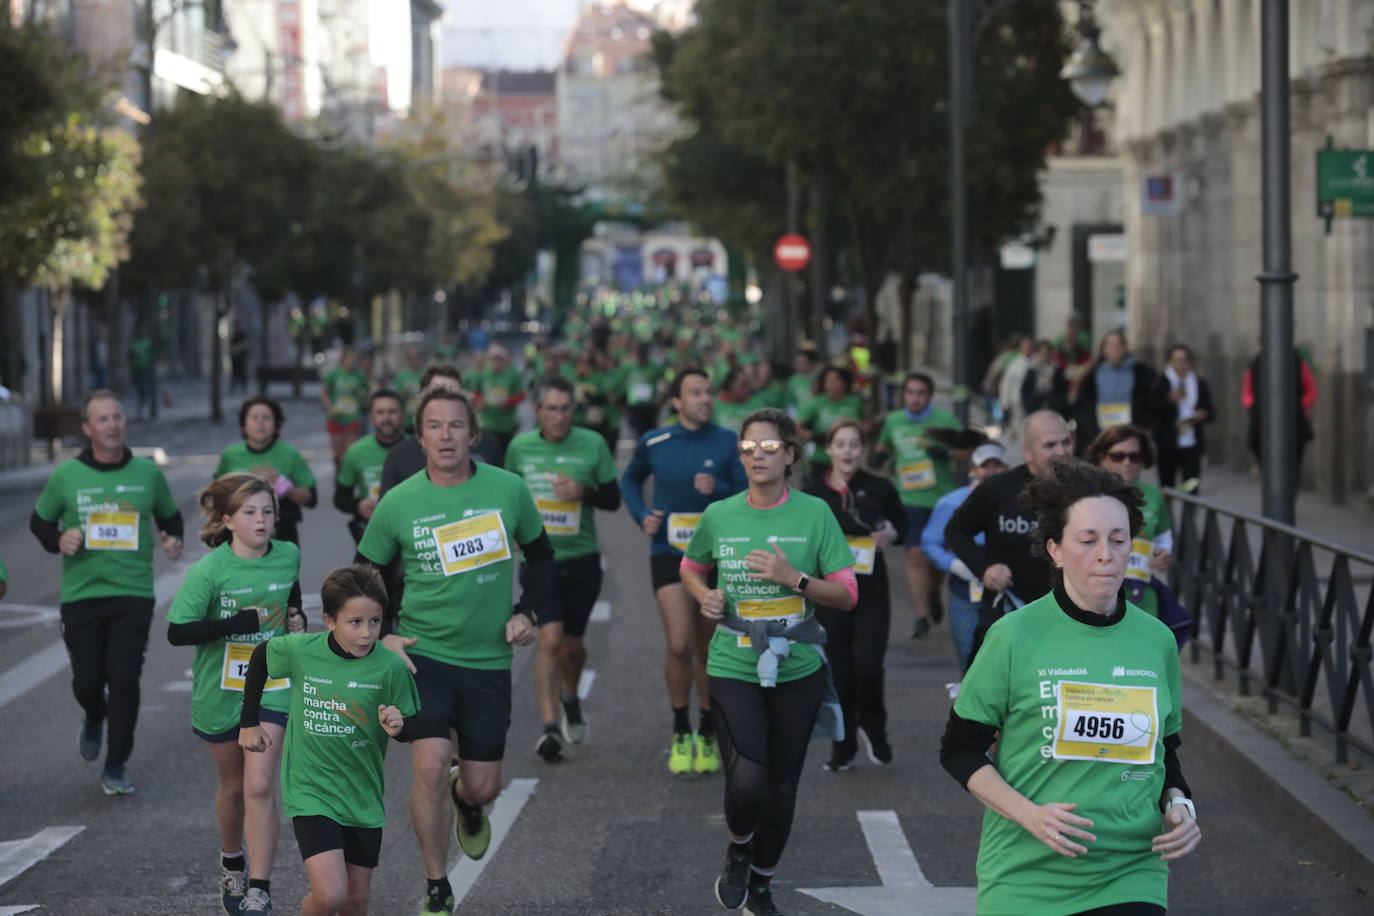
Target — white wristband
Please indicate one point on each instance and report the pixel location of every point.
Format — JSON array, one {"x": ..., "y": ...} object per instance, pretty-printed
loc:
[
  {"x": 1185, "y": 802},
  {"x": 960, "y": 569}
]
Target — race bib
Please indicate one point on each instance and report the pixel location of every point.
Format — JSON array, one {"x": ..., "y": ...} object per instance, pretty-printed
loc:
[
  {"x": 374, "y": 491},
  {"x": 865, "y": 551},
  {"x": 681, "y": 527},
  {"x": 1115, "y": 414},
  {"x": 788, "y": 609},
  {"x": 641, "y": 393},
  {"x": 111, "y": 531},
  {"x": 918, "y": 475},
  {"x": 975, "y": 591},
  {"x": 345, "y": 405},
  {"x": 1106, "y": 722},
  {"x": 1138, "y": 566},
  {"x": 561, "y": 516},
  {"x": 236, "y": 656},
  {"x": 498, "y": 397},
  {"x": 472, "y": 543}
]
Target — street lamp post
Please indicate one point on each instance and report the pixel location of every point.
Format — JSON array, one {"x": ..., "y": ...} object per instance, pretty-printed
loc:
[{"x": 1090, "y": 72}]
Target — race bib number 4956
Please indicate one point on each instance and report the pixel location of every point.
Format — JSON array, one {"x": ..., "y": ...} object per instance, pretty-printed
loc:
[
  {"x": 472, "y": 543},
  {"x": 1106, "y": 722}
]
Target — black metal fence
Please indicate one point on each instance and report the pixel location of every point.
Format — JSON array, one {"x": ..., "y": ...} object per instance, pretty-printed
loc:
[{"x": 1289, "y": 613}]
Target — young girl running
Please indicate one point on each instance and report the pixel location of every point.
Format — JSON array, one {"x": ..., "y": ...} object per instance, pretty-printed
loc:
[
  {"x": 343, "y": 686},
  {"x": 242, "y": 593}
]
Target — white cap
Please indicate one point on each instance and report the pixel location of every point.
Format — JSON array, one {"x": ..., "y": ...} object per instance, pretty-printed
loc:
[{"x": 988, "y": 451}]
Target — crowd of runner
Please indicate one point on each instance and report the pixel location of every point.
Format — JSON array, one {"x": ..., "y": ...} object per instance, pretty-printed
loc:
[{"x": 767, "y": 494}]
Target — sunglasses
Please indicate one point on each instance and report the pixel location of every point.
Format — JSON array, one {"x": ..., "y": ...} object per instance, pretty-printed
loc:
[
  {"x": 1119, "y": 457},
  {"x": 769, "y": 446}
]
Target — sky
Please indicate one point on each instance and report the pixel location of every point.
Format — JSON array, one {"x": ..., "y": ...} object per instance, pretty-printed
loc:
[{"x": 510, "y": 34}]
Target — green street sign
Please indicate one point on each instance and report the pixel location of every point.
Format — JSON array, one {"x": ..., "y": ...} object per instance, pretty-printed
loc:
[{"x": 1345, "y": 183}]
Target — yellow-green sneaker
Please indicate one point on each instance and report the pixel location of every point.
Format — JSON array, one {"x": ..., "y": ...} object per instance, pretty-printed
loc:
[
  {"x": 708, "y": 756},
  {"x": 680, "y": 753}
]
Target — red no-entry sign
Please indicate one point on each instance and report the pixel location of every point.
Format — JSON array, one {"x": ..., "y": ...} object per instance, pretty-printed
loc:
[{"x": 792, "y": 252}]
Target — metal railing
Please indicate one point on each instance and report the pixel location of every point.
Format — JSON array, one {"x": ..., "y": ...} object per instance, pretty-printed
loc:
[{"x": 1261, "y": 608}]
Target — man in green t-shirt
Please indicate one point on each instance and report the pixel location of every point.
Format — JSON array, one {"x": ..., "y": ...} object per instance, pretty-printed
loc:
[
  {"x": 801, "y": 384},
  {"x": 343, "y": 393},
  {"x": 922, "y": 473},
  {"x": 359, "y": 482},
  {"x": 99, "y": 510},
  {"x": 570, "y": 472},
  {"x": 454, "y": 526},
  {"x": 406, "y": 383},
  {"x": 500, "y": 390}
]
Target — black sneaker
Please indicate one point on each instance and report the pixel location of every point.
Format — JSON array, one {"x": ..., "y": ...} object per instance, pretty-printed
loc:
[
  {"x": 549, "y": 747},
  {"x": 92, "y": 734},
  {"x": 231, "y": 890},
  {"x": 937, "y": 610},
  {"x": 839, "y": 762},
  {"x": 732, "y": 884},
  {"x": 921, "y": 629},
  {"x": 878, "y": 750},
  {"x": 760, "y": 902}
]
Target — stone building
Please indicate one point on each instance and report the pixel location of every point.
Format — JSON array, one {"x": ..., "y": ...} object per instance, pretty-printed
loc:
[{"x": 1188, "y": 130}]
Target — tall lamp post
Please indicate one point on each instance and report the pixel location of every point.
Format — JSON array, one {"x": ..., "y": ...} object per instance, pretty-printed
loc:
[{"x": 1090, "y": 72}]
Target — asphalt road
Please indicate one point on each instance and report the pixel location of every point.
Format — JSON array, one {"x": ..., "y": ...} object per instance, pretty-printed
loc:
[{"x": 606, "y": 831}]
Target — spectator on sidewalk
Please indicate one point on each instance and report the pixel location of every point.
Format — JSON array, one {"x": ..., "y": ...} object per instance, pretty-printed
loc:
[
  {"x": 1117, "y": 389},
  {"x": 141, "y": 368},
  {"x": 1252, "y": 399},
  {"x": 1182, "y": 440},
  {"x": 1009, "y": 386},
  {"x": 1044, "y": 386},
  {"x": 238, "y": 361}
]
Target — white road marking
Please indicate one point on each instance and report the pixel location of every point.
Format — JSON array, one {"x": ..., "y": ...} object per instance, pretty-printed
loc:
[
  {"x": 502, "y": 813},
  {"x": 904, "y": 889},
  {"x": 14, "y": 910},
  {"x": 178, "y": 686},
  {"x": 601, "y": 611},
  {"x": 584, "y": 683},
  {"x": 23, "y": 615},
  {"x": 32, "y": 671},
  {"x": 18, "y": 856}
]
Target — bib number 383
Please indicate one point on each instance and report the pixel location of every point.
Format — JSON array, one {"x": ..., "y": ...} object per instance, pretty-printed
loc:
[
  {"x": 472, "y": 543},
  {"x": 112, "y": 531},
  {"x": 1106, "y": 722}
]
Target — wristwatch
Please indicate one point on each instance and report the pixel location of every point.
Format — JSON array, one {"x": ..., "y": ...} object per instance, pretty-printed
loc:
[
  {"x": 802, "y": 584},
  {"x": 1185, "y": 802}
]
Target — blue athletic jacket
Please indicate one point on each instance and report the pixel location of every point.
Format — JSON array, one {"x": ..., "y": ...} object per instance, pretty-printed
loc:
[{"x": 673, "y": 456}]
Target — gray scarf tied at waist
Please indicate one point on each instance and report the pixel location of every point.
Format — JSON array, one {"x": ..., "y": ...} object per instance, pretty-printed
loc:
[{"x": 771, "y": 642}]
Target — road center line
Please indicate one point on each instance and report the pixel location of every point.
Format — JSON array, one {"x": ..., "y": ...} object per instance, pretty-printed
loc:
[
  {"x": 32, "y": 671},
  {"x": 601, "y": 611},
  {"x": 18, "y": 856},
  {"x": 503, "y": 813}
]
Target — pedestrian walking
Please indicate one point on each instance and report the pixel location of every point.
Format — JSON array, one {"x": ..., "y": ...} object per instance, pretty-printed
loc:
[
  {"x": 1252, "y": 396},
  {"x": 1118, "y": 388},
  {"x": 1182, "y": 439}
]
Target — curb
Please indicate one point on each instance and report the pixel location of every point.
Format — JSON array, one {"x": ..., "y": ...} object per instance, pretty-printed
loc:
[{"x": 1308, "y": 807}]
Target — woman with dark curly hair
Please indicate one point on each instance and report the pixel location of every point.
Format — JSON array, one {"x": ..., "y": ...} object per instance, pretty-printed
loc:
[{"x": 1084, "y": 690}]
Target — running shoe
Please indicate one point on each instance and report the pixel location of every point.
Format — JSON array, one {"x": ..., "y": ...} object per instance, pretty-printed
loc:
[
  {"x": 877, "y": 749},
  {"x": 921, "y": 629},
  {"x": 937, "y": 610},
  {"x": 708, "y": 756},
  {"x": 839, "y": 762},
  {"x": 91, "y": 735},
  {"x": 473, "y": 830},
  {"x": 231, "y": 884},
  {"x": 760, "y": 902},
  {"x": 256, "y": 900},
  {"x": 732, "y": 884},
  {"x": 548, "y": 746},
  {"x": 573, "y": 723},
  {"x": 114, "y": 782},
  {"x": 434, "y": 905},
  {"x": 680, "y": 753}
]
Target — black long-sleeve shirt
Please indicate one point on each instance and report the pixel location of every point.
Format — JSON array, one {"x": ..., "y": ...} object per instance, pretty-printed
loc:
[
  {"x": 874, "y": 499},
  {"x": 994, "y": 510}
]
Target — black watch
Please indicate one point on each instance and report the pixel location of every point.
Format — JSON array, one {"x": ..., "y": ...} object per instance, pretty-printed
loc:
[
  {"x": 528, "y": 612},
  {"x": 802, "y": 584}
]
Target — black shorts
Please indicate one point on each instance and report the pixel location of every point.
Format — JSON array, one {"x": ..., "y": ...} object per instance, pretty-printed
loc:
[
  {"x": 264, "y": 715},
  {"x": 663, "y": 569},
  {"x": 474, "y": 702},
  {"x": 576, "y": 586},
  {"x": 315, "y": 833}
]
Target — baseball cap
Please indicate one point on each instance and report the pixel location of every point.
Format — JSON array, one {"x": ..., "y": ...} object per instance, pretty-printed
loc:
[{"x": 989, "y": 451}]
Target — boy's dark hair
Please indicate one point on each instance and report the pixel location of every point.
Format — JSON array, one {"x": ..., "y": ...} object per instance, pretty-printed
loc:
[
  {"x": 1053, "y": 495},
  {"x": 270, "y": 403},
  {"x": 676, "y": 390},
  {"x": 357, "y": 581}
]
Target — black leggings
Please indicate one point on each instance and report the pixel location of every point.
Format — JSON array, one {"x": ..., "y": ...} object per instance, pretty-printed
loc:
[
  {"x": 763, "y": 734},
  {"x": 855, "y": 643},
  {"x": 106, "y": 639},
  {"x": 1125, "y": 909},
  {"x": 1175, "y": 460}
]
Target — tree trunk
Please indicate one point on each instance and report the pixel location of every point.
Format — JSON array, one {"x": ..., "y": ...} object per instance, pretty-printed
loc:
[
  {"x": 116, "y": 338},
  {"x": 60, "y": 301},
  {"x": 216, "y": 356}
]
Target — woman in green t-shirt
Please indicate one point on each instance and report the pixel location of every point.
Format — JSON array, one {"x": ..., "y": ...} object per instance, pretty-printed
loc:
[
  {"x": 835, "y": 400},
  {"x": 1126, "y": 450},
  {"x": 1080, "y": 692},
  {"x": 767, "y": 678},
  {"x": 262, "y": 452},
  {"x": 244, "y": 592}
]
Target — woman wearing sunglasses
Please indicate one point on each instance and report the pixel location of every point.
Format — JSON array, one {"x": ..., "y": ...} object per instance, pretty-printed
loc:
[
  {"x": 871, "y": 515},
  {"x": 778, "y": 553},
  {"x": 1080, "y": 692},
  {"x": 1127, "y": 450}
]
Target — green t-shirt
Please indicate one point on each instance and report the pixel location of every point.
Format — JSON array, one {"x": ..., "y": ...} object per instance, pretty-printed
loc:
[
  {"x": 347, "y": 393},
  {"x": 582, "y": 456},
  {"x": 820, "y": 413},
  {"x": 117, "y": 511},
  {"x": 457, "y": 548},
  {"x": 921, "y": 478},
  {"x": 361, "y": 468},
  {"x": 1015, "y": 685},
  {"x": 640, "y": 383},
  {"x": 407, "y": 385},
  {"x": 774, "y": 394},
  {"x": 333, "y": 754},
  {"x": 216, "y": 587},
  {"x": 497, "y": 389},
  {"x": 806, "y": 531},
  {"x": 593, "y": 399},
  {"x": 4, "y": 573},
  {"x": 1157, "y": 521},
  {"x": 731, "y": 414},
  {"x": 280, "y": 456},
  {"x": 800, "y": 389}
]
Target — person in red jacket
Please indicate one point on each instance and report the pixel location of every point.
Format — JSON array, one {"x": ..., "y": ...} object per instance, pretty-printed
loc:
[{"x": 1251, "y": 398}]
